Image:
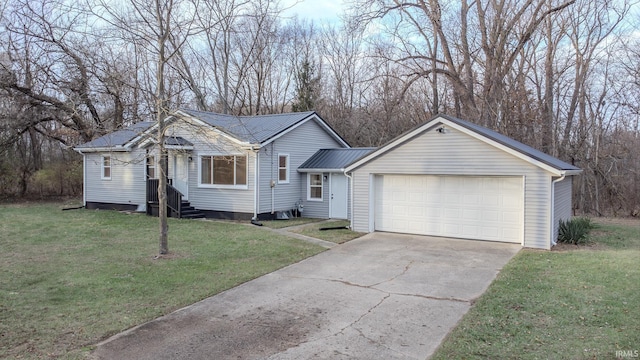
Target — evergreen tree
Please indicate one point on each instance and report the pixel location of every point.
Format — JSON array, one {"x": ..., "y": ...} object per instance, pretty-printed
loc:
[{"x": 307, "y": 84}]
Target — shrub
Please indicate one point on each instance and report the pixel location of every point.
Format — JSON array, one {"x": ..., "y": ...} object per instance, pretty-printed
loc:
[{"x": 574, "y": 231}]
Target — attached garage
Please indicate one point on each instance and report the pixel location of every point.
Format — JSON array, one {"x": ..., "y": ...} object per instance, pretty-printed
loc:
[
  {"x": 452, "y": 178},
  {"x": 469, "y": 207}
]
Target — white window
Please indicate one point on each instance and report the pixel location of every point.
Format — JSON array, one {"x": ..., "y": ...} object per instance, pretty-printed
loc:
[
  {"x": 151, "y": 167},
  {"x": 315, "y": 187},
  {"x": 223, "y": 170},
  {"x": 283, "y": 168},
  {"x": 106, "y": 168}
]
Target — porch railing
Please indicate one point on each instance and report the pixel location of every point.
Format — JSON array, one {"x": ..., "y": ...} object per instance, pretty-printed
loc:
[{"x": 174, "y": 197}]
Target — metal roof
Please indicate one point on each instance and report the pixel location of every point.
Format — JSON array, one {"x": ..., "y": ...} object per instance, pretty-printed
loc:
[
  {"x": 251, "y": 129},
  {"x": 334, "y": 159},
  {"x": 119, "y": 137},
  {"x": 513, "y": 144},
  {"x": 257, "y": 129}
]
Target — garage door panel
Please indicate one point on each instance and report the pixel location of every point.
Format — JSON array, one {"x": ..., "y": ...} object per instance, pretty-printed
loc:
[
  {"x": 471, "y": 214},
  {"x": 511, "y": 217},
  {"x": 485, "y": 208}
]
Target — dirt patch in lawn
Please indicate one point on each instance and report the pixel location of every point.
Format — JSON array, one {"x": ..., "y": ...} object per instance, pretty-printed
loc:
[
  {"x": 626, "y": 221},
  {"x": 572, "y": 247}
]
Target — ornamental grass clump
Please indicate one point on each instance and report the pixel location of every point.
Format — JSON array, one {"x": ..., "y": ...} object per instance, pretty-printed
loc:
[{"x": 574, "y": 231}]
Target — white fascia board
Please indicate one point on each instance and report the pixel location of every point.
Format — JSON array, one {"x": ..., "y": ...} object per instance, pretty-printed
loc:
[
  {"x": 572, "y": 172},
  {"x": 101, "y": 149},
  {"x": 321, "y": 170},
  {"x": 313, "y": 116}
]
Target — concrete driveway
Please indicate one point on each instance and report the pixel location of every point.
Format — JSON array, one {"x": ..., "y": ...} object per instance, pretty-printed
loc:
[{"x": 382, "y": 296}]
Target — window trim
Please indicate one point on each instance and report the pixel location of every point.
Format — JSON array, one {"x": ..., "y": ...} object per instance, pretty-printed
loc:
[
  {"x": 221, "y": 186},
  {"x": 146, "y": 167},
  {"x": 103, "y": 167},
  {"x": 321, "y": 198},
  {"x": 286, "y": 168}
]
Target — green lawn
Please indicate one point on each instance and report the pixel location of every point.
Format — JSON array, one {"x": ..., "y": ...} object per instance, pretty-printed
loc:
[
  {"x": 69, "y": 279},
  {"x": 579, "y": 303}
]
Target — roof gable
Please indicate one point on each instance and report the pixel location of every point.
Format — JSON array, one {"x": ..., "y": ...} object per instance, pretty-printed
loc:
[
  {"x": 515, "y": 145},
  {"x": 258, "y": 129},
  {"x": 116, "y": 139},
  {"x": 518, "y": 149}
]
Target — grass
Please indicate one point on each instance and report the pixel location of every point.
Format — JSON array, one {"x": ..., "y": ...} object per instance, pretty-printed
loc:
[
  {"x": 69, "y": 279},
  {"x": 279, "y": 224},
  {"x": 338, "y": 236},
  {"x": 577, "y": 304}
]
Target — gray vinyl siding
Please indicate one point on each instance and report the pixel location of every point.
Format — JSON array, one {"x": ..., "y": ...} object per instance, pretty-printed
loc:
[
  {"x": 300, "y": 144},
  {"x": 316, "y": 209},
  {"x": 456, "y": 153},
  {"x": 562, "y": 203},
  {"x": 207, "y": 142},
  {"x": 127, "y": 184}
]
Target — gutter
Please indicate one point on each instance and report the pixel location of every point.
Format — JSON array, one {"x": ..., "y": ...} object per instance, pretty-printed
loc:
[
  {"x": 553, "y": 204},
  {"x": 101, "y": 149}
]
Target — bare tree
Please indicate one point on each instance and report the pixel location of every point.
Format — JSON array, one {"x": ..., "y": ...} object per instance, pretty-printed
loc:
[{"x": 162, "y": 27}]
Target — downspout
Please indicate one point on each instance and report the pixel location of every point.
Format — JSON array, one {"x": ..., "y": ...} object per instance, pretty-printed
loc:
[
  {"x": 350, "y": 180},
  {"x": 255, "y": 183},
  {"x": 553, "y": 205},
  {"x": 84, "y": 180},
  {"x": 272, "y": 183}
]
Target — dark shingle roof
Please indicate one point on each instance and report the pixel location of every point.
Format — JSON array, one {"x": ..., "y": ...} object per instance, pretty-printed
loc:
[
  {"x": 252, "y": 129},
  {"x": 513, "y": 144},
  {"x": 119, "y": 137},
  {"x": 334, "y": 159}
]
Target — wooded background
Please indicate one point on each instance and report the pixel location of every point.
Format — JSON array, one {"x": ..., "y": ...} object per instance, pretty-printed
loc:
[{"x": 561, "y": 76}]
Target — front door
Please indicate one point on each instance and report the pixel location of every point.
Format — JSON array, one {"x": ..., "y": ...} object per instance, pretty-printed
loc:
[
  {"x": 338, "y": 200},
  {"x": 181, "y": 174}
]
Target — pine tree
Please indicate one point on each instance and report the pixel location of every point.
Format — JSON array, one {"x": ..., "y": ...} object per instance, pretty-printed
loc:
[{"x": 306, "y": 87}]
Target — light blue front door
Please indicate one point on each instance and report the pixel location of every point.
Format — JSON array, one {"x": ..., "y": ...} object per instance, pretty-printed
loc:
[{"x": 339, "y": 189}]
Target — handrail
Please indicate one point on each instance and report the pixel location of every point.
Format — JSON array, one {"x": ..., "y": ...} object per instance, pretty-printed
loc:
[{"x": 174, "y": 197}]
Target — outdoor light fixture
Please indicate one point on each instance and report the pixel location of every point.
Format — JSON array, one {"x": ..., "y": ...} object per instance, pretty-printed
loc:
[{"x": 441, "y": 130}]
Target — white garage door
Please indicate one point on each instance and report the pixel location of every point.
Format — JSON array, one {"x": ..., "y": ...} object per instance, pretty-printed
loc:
[{"x": 468, "y": 207}]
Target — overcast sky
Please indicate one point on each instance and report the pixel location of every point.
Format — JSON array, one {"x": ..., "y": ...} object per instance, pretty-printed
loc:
[{"x": 316, "y": 10}]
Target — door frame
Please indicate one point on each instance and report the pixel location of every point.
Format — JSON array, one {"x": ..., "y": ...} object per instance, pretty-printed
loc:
[
  {"x": 185, "y": 168},
  {"x": 335, "y": 202}
]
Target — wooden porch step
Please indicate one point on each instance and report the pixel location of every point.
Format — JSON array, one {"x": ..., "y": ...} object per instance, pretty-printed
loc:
[
  {"x": 186, "y": 210},
  {"x": 189, "y": 212}
]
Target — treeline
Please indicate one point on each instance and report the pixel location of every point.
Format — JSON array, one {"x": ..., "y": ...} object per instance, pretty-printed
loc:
[{"x": 561, "y": 76}]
